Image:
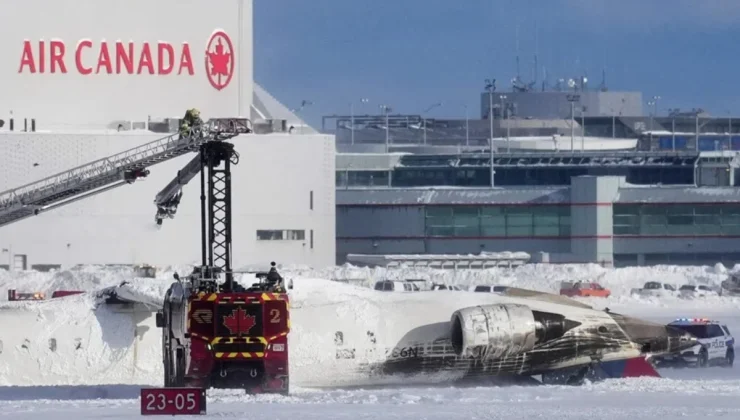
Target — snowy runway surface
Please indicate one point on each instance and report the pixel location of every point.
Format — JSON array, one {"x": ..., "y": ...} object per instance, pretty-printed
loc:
[{"x": 714, "y": 396}]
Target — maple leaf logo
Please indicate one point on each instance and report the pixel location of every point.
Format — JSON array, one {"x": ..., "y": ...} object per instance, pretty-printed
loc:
[
  {"x": 219, "y": 60},
  {"x": 239, "y": 322}
]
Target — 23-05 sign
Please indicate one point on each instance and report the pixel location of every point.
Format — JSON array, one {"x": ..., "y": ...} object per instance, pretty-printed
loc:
[{"x": 173, "y": 401}]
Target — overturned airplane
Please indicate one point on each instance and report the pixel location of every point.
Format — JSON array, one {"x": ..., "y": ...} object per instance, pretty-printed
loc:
[{"x": 454, "y": 336}]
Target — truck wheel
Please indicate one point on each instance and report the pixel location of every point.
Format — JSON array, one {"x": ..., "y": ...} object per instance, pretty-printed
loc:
[{"x": 729, "y": 358}]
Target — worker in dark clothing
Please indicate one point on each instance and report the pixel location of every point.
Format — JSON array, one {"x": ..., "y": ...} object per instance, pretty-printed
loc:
[{"x": 274, "y": 279}]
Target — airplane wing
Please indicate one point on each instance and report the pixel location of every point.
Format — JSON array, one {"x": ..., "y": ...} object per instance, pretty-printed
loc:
[{"x": 544, "y": 297}]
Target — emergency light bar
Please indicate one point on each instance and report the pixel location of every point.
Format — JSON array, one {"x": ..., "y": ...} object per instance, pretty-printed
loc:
[{"x": 694, "y": 319}]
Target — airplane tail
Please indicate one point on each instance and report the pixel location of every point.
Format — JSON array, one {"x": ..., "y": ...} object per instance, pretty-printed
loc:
[{"x": 628, "y": 368}]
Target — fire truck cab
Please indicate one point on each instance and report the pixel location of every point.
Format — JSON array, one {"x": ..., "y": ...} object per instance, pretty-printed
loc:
[{"x": 217, "y": 339}]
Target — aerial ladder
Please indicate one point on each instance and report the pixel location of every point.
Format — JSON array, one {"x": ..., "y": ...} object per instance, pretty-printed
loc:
[{"x": 111, "y": 172}]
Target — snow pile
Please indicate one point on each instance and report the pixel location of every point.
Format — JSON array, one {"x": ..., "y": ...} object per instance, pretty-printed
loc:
[
  {"x": 87, "y": 278},
  {"x": 75, "y": 340},
  {"x": 543, "y": 277}
]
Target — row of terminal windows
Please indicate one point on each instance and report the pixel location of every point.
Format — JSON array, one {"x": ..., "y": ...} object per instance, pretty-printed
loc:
[
  {"x": 502, "y": 221},
  {"x": 728, "y": 259},
  {"x": 677, "y": 219},
  {"x": 285, "y": 235},
  {"x": 281, "y": 235},
  {"x": 481, "y": 177}
]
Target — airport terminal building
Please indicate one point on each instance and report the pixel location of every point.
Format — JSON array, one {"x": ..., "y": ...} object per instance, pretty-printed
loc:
[
  {"x": 574, "y": 209},
  {"x": 565, "y": 174}
]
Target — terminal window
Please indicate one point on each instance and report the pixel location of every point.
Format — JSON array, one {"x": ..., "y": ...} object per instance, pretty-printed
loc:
[
  {"x": 498, "y": 221},
  {"x": 667, "y": 219},
  {"x": 281, "y": 235}
]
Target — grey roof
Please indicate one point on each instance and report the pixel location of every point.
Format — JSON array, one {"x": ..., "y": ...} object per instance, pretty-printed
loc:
[
  {"x": 266, "y": 107},
  {"x": 441, "y": 196},
  {"x": 674, "y": 194}
]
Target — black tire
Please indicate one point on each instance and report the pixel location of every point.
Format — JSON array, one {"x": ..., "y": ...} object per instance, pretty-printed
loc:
[
  {"x": 179, "y": 368},
  {"x": 703, "y": 359},
  {"x": 729, "y": 358},
  {"x": 166, "y": 359}
]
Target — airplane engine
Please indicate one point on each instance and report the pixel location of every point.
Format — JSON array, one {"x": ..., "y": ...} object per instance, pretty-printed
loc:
[{"x": 499, "y": 331}]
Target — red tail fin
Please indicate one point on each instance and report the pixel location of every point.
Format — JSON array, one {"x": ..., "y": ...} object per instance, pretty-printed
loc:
[
  {"x": 639, "y": 366},
  {"x": 629, "y": 368}
]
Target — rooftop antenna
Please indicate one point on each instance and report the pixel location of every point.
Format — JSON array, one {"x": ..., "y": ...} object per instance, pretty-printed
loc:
[
  {"x": 517, "y": 84},
  {"x": 536, "y": 48},
  {"x": 603, "y": 87},
  {"x": 544, "y": 78},
  {"x": 518, "y": 74}
]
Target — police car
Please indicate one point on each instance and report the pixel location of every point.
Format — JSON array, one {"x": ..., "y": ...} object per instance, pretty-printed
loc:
[{"x": 716, "y": 344}]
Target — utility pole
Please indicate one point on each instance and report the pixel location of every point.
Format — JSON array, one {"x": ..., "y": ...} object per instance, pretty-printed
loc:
[{"x": 352, "y": 116}]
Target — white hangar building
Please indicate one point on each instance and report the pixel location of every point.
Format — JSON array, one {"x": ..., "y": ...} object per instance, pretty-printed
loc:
[{"x": 88, "y": 79}]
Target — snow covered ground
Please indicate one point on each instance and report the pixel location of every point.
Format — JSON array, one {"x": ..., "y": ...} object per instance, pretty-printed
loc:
[
  {"x": 666, "y": 399},
  {"x": 102, "y": 378}
]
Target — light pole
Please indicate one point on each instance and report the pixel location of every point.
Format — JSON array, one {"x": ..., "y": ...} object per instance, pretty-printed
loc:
[
  {"x": 673, "y": 112},
  {"x": 431, "y": 107},
  {"x": 491, "y": 87},
  {"x": 352, "y": 116},
  {"x": 729, "y": 130},
  {"x": 654, "y": 104},
  {"x": 386, "y": 109},
  {"x": 467, "y": 126},
  {"x": 504, "y": 116},
  {"x": 573, "y": 99},
  {"x": 583, "y": 129},
  {"x": 304, "y": 103}
]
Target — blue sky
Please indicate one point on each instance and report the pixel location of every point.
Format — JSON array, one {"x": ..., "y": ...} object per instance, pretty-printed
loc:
[{"x": 414, "y": 53}]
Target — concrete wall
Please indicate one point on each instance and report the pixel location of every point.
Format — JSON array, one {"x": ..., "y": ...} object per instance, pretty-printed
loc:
[
  {"x": 272, "y": 187},
  {"x": 591, "y": 218},
  {"x": 61, "y": 64}
]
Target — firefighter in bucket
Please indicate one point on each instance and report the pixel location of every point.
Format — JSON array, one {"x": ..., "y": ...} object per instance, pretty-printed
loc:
[{"x": 190, "y": 123}]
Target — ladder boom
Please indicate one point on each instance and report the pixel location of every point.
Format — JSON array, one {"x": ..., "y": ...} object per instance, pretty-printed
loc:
[
  {"x": 106, "y": 173},
  {"x": 169, "y": 198}
]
